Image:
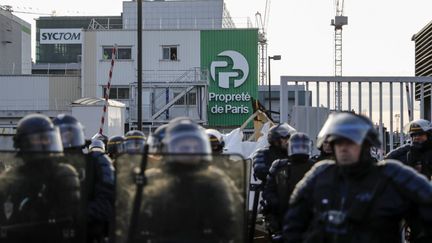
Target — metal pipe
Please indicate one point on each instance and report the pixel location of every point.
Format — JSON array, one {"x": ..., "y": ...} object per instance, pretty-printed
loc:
[
  {"x": 381, "y": 118},
  {"x": 370, "y": 100},
  {"x": 422, "y": 115},
  {"x": 412, "y": 101},
  {"x": 328, "y": 95},
  {"x": 391, "y": 117},
  {"x": 139, "y": 64},
  {"x": 349, "y": 96},
  {"x": 307, "y": 108},
  {"x": 359, "y": 97},
  {"x": 401, "y": 136}
]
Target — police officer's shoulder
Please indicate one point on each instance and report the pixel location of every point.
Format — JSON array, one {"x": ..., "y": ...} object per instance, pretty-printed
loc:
[
  {"x": 317, "y": 169},
  {"x": 261, "y": 151},
  {"x": 407, "y": 179},
  {"x": 65, "y": 170},
  {"x": 277, "y": 164},
  {"x": 260, "y": 154},
  {"x": 68, "y": 176},
  {"x": 394, "y": 154}
]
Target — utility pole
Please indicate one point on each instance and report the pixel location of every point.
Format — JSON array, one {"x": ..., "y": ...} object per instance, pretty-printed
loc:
[{"x": 139, "y": 65}]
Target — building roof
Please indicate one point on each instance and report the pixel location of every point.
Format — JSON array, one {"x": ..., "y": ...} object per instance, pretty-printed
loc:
[
  {"x": 93, "y": 101},
  {"x": 426, "y": 28}
]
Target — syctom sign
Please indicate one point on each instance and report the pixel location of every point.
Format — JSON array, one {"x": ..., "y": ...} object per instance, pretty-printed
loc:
[
  {"x": 231, "y": 57},
  {"x": 60, "y": 36}
]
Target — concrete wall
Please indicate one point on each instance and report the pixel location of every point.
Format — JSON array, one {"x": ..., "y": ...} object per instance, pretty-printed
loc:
[
  {"x": 95, "y": 69},
  {"x": 15, "y": 45},
  {"x": 38, "y": 93}
]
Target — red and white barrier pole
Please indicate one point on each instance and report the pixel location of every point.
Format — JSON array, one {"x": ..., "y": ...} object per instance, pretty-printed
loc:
[{"x": 107, "y": 90}]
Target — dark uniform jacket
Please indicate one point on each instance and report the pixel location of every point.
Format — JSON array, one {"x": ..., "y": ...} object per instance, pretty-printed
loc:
[
  {"x": 100, "y": 194},
  {"x": 283, "y": 176},
  {"x": 40, "y": 202},
  {"x": 365, "y": 202},
  {"x": 263, "y": 159},
  {"x": 418, "y": 158}
]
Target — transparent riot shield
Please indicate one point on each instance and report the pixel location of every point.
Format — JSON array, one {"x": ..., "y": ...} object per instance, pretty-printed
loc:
[
  {"x": 8, "y": 160},
  {"x": 184, "y": 198},
  {"x": 40, "y": 200}
]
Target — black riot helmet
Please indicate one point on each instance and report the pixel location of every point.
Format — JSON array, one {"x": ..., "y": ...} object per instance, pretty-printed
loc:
[
  {"x": 71, "y": 131},
  {"x": 115, "y": 145},
  {"x": 134, "y": 142},
  {"x": 278, "y": 132},
  {"x": 155, "y": 139},
  {"x": 346, "y": 125},
  {"x": 97, "y": 146},
  {"x": 36, "y": 133},
  {"x": 101, "y": 137},
  {"x": 419, "y": 126},
  {"x": 216, "y": 141},
  {"x": 299, "y": 145},
  {"x": 186, "y": 143}
]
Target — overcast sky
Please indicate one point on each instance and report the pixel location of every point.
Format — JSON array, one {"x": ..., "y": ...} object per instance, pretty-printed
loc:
[{"x": 377, "y": 40}]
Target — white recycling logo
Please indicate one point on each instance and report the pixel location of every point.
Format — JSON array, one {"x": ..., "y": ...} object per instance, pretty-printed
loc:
[{"x": 239, "y": 63}]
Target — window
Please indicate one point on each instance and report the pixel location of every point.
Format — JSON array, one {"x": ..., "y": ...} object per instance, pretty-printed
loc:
[
  {"x": 118, "y": 93},
  {"x": 123, "y": 53},
  {"x": 188, "y": 99},
  {"x": 169, "y": 53}
]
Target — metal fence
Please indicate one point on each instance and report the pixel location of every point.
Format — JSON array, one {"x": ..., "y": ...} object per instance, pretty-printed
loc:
[{"x": 388, "y": 101}]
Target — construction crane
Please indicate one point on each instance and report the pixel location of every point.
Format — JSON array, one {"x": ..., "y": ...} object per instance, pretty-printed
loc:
[
  {"x": 338, "y": 22},
  {"x": 28, "y": 10},
  {"x": 262, "y": 24}
]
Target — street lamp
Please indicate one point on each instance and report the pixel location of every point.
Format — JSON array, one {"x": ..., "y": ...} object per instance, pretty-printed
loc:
[{"x": 276, "y": 58}]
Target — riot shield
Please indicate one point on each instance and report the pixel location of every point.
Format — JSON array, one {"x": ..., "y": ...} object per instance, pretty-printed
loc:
[
  {"x": 8, "y": 160},
  {"x": 194, "y": 200},
  {"x": 40, "y": 200}
]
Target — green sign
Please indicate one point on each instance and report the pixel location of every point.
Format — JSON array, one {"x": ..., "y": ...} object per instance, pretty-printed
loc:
[{"x": 231, "y": 57}]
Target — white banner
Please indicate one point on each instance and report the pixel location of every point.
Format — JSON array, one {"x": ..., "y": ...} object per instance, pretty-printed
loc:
[{"x": 60, "y": 36}]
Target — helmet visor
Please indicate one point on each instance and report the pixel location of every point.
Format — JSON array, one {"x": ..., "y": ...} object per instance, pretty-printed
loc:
[
  {"x": 71, "y": 136},
  {"x": 134, "y": 145},
  {"x": 48, "y": 141},
  {"x": 188, "y": 145},
  {"x": 299, "y": 148},
  {"x": 115, "y": 147},
  {"x": 344, "y": 125}
]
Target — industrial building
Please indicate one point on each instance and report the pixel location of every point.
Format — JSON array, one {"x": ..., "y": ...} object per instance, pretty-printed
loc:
[
  {"x": 423, "y": 64},
  {"x": 196, "y": 62},
  {"x": 59, "y": 41},
  {"x": 15, "y": 44}
]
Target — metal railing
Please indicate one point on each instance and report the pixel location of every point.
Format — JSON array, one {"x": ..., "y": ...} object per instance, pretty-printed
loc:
[
  {"x": 387, "y": 101},
  {"x": 165, "y": 88},
  {"x": 190, "y": 23}
]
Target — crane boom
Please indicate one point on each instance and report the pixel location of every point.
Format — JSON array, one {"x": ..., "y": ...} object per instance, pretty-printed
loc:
[{"x": 338, "y": 22}]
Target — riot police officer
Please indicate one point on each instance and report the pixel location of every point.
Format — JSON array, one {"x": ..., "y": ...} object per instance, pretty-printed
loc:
[
  {"x": 418, "y": 154},
  {"x": 115, "y": 146},
  {"x": 71, "y": 131},
  {"x": 101, "y": 137},
  {"x": 155, "y": 139},
  {"x": 263, "y": 158},
  {"x": 134, "y": 142},
  {"x": 187, "y": 199},
  {"x": 41, "y": 197},
  {"x": 326, "y": 152},
  {"x": 100, "y": 192},
  {"x": 216, "y": 141},
  {"x": 283, "y": 176},
  {"x": 355, "y": 199}
]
